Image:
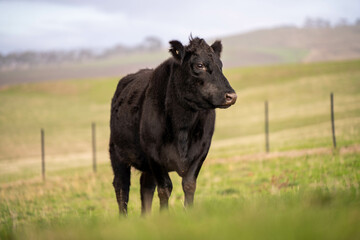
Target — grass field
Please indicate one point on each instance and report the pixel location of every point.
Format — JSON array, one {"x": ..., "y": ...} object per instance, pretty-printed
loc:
[
  {"x": 292, "y": 193},
  {"x": 312, "y": 197}
]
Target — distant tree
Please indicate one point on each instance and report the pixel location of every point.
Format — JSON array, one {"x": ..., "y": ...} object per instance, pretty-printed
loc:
[
  {"x": 116, "y": 50},
  {"x": 152, "y": 43},
  {"x": 357, "y": 23},
  {"x": 85, "y": 54},
  {"x": 323, "y": 23},
  {"x": 308, "y": 23},
  {"x": 316, "y": 23},
  {"x": 343, "y": 22}
]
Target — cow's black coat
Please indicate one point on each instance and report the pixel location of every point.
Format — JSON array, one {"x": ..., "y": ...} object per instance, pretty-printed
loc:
[{"x": 162, "y": 120}]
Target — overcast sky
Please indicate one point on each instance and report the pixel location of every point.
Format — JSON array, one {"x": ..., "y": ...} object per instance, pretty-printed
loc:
[{"x": 68, "y": 24}]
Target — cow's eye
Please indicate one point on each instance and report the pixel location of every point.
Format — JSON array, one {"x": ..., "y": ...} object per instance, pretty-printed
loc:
[{"x": 200, "y": 66}]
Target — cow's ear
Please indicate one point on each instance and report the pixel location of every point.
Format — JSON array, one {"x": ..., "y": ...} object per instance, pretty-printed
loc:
[
  {"x": 177, "y": 50},
  {"x": 217, "y": 47}
]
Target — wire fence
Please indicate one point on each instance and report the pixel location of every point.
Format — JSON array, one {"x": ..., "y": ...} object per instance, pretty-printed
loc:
[{"x": 90, "y": 157}]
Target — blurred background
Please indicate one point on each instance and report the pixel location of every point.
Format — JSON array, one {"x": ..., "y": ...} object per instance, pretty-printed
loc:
[{"x": 47, "y": 40}]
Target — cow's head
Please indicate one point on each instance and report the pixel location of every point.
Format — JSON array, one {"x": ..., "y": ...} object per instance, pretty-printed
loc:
[{"x": 198, "y": 75}]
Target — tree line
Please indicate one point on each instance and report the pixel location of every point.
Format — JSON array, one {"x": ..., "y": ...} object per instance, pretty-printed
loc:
[
  {"x": 324, "y": 23},
  {"x": 18, "y": 60}
]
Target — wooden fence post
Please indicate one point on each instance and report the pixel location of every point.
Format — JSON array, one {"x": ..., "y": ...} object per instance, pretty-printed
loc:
[
  {"x": 43, "y": 154},
  {"x": 93, "y": 127},
  {"x": 267, "y": 127},
  {"x": 332, "y": 119}
]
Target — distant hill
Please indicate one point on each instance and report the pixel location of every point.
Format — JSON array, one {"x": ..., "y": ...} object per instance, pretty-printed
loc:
[
  {"x": 262, "y": 47},
  {"x": 291, "y": 44}
]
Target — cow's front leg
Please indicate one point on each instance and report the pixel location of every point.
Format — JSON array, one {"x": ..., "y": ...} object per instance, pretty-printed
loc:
[
  {"x": 189, "y": 181},
  {"x": 189, "y": 187}
]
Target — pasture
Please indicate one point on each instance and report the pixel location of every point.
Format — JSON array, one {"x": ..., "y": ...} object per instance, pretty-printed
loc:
[{"x": 301, "y": 190}]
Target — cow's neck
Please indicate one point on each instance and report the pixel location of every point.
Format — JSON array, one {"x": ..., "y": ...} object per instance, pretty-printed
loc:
[
  {"x": 182, "y": 115},
  {"x": 181, "y": 120}
]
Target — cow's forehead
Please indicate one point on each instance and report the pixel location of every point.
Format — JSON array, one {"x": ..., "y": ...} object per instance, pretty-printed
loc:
[
  {"x": 205, "y": 51},
  {"x": 208, "y": 54},
  {"x": 198, "y": 44},
  {"x": 200, "y": 48}
]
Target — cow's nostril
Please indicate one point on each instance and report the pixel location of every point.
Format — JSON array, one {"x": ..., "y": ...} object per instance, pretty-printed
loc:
[{"x": 230, "y": 98}]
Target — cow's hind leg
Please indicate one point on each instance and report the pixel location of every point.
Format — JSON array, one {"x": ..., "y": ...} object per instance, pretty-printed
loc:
[
  {"x": 163, "y": 182},
  {"x": 147, "y": 188},
  {"x": 121, "y": 181},
  {"x": 121, "y": 185},
  {"x": 164, "y": 188}
]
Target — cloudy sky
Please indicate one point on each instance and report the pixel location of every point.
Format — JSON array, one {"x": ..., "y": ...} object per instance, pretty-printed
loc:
[{"x": 68, "y": 24}]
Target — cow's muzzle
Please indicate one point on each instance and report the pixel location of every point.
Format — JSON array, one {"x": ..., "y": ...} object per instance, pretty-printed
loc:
[{"x": 230, "y": 99}]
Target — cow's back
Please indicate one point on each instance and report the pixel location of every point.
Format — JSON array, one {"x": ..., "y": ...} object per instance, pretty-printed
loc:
[{"x": 126, "y": 108}]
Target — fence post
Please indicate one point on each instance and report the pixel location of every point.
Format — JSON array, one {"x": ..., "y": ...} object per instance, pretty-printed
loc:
[
  {"x": 332, "y": 119},
  {"x": 43, "y": 154},
  {"x": 267, "y": 127},
  {"x": 93, "y": 126}
]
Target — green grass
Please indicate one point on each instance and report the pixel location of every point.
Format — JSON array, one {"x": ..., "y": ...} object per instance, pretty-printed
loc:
[
  {"x": 298, "y": 98},
  {"x": 312, "y": 197},
  {"x": 285, "y": 55},
  {"x": 241, "y": 193}
]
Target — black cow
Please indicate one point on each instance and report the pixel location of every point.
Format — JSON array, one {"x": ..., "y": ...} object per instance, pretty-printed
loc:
[{"x": 162, "y": 120}]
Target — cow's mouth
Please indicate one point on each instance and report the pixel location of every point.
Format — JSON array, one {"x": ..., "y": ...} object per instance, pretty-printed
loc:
[{"x": 224, "y": 106}]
